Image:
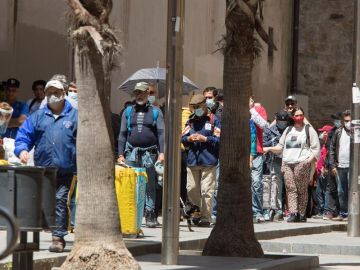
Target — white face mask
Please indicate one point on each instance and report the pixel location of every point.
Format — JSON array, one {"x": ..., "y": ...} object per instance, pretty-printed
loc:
[
  {"x": 337, "y": 123},
  {"x": 53, "y": 100},
  {"x": 73, "y": 96},
  {"x": 348, "y": 125}
]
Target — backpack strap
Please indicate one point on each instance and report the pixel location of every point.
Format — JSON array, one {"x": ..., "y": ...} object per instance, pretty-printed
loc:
[
  {"x": 307, "y": 131},
  {"x": 212, "y": 122},
  {"x": 127, "y": 115},
  {"x": 155, "y": 115}
]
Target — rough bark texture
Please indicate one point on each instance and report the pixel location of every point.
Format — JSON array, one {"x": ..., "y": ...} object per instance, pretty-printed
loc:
[
  {"x": 98, "y": 241},
  {"x": 233, "y": 234}
]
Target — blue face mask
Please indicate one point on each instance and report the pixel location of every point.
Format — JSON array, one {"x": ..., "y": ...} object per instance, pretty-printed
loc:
[
  {"x": 199, "y": 112},
  {"x": 151, "y": 99},
  {"x": 210, "y": 103},
  {"x": 73, "y": 96},
  {"x": 337, "y": 123}
]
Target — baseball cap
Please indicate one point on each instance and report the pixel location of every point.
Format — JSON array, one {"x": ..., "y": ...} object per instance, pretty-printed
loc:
[
  {"x": 54, "y": 83},
  {"x": 12, "y": 82},
  {"x": 293, "y": 98},
  {"x": 282, "y": 116},
  {"x": 197, "y": 99},
  {"x": 141, "y": 86},
  {"x": 326, "y": 128}
]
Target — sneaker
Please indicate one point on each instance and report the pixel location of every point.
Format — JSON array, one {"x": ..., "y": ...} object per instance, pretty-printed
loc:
[
  {"x": 302, "y": 218},
  {"x": 328, "y": 216},
  {"x": 266, "y": 215},
  {"x": 258, "y": 219},
  {"x": 278, "y": 216},
  {"x": 318, "y": 216},
  {"x": 203, "y": 222},
  {"x": 150, "y": 219},
  {"x": 294, "y": 217},
  {"x": 58, "y": 244}
]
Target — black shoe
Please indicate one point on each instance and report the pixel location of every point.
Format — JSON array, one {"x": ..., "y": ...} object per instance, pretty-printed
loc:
[
  {"x": 203, "y": 222},
  {"x": 150, "y": 219},
  {"x": 294, "y": 217},
  {"x": 302, "y": 218}
]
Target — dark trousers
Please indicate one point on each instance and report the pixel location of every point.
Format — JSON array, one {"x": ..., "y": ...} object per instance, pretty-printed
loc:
[
  {"x": 320, "y": 193},
  {"x": 343, "y": 190},
  {"x": 331, "y": 195},
  {"x": 62, "y": 214},
  {"x": 183, "y": 175}
]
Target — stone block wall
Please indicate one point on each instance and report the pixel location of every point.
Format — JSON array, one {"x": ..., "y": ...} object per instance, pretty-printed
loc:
[{"x": 325, "y": 56}]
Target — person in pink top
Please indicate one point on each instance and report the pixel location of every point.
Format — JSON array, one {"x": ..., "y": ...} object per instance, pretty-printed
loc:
[{"x": 321, "y": 171}]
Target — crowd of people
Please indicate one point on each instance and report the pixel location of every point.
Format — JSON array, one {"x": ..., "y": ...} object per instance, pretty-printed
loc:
[{"x": 296, "y": 172}]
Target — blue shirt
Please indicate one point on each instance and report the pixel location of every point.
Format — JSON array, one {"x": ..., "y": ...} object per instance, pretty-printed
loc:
[
  {"x": 20, "y": 108},
  {"x": 54, "y": 139}
]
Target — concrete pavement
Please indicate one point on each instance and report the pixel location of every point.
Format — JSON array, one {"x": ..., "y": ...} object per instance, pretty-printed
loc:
[{"x": 151, "y": 243}]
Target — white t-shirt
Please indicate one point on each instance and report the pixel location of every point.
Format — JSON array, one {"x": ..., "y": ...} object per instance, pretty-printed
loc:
[
  {"x": 344, "y": 150},
  {"x": 295, "y": 148}
]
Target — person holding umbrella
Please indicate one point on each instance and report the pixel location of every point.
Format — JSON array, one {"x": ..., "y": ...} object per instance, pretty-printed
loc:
[{"x": 141, "y": 143}]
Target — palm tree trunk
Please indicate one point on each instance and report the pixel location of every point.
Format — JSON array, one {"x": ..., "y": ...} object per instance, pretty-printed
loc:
[
  {"x": 98, "y": 241},
  {"x": 233, "y": 234}
]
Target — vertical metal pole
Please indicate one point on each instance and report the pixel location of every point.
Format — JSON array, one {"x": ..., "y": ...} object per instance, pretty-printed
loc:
[
  {"x": 354, "y": 202},
  {"x": 171, "y": 195}
]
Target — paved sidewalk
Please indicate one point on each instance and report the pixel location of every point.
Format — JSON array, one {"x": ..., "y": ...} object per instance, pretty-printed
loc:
[{"x": 151, "y": 243}]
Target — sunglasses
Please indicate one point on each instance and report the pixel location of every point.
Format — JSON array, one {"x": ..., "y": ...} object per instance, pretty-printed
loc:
[{"x": 290, "y": 103}]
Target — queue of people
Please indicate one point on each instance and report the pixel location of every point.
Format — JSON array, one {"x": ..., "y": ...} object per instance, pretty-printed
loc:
[{"x": 286, "y": 155}]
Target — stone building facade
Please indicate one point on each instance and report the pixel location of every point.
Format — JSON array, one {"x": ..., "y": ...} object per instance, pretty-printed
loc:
[
  {"x": 33, "y": 44},
  {"x": 325, "y": 57}
]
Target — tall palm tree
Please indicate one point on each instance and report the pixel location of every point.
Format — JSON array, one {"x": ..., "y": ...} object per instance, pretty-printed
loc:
[
  {"x": 98, "y": 242},
  {"x": 233, "y": 234}
]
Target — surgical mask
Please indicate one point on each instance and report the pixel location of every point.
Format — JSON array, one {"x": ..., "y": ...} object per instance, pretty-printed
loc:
[
  {"x": 210, "y": 103},
  {"x": 151, "y": 99},
  {"x": 337, "y": 123},
  {"x": 73, "y": 95},
  {"x": 298, "y": 119},
  {"x": 348, "y": 125},
  {"x": 53, "y": 100},
  {"x": 199, "y": 112}
]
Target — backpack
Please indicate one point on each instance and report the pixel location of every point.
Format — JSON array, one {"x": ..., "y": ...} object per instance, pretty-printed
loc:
[
  {"x": 128, "y": 113},
  {"x": 307, "y": 131}
]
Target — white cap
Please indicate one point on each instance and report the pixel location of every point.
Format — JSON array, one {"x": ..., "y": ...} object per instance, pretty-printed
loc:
[{"x": 54, "y": 83}]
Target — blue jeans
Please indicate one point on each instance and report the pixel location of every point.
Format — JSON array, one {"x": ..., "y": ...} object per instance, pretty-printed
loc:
[
  {"x": 343, "y": 190},
  {"x": 214, "y": 210},
  {"x": 150, "y": 194},
  {"x": 257, "y": 186},
  {"x": 61, "y": 211}
]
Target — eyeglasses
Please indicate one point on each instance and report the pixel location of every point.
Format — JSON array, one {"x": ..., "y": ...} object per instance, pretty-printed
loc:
[{"x": 290, "y": 103}]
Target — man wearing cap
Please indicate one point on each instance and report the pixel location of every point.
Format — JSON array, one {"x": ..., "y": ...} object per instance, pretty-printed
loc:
[
  {"x": 52, "y": 131},
  {"x": 201, "y": 136},
  {"x": 273, "y": 183},
  {"x": 38, "y": 87},
  {"x": 21, "y": 109},
  {"x": 141, "y": 143}
]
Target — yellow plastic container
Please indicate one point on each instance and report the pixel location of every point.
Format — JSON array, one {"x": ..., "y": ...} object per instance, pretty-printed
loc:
[{"x": 130, "y": 186}]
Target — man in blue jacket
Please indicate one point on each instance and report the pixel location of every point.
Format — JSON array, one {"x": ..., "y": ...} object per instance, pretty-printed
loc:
[
  {"x": 201, "y": 136},
  {"x": 52, "y": 130}
]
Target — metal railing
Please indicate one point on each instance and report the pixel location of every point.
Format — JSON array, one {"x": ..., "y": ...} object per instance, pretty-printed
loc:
[{"x": 12, "y": 232}]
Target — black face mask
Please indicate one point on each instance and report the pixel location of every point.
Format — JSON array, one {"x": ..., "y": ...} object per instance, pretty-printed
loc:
[{"x": 282, "y": 125}]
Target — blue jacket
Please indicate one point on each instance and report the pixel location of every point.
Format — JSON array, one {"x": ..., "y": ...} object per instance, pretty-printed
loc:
[
  {"x": 202, "y": 153},
  {"x": 54, "y": 139}
]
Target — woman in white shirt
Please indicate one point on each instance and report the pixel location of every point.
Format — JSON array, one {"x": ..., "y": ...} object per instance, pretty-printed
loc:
[{"x": 300, "y": 148}]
